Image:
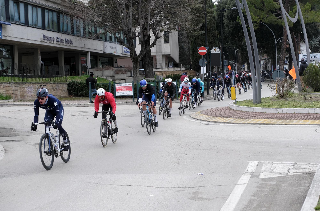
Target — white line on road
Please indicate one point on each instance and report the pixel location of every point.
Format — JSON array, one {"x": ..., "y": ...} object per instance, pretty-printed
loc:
[
  {"x": 1, "y": 152},
  {"x": 239, "y": 188},
  {"x": 313, "y": 194}
]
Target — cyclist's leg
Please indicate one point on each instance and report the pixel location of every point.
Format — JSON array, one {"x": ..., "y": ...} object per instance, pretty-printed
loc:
[
  {"x": 154, "y": 110},
  {"x": 114, "y": 119}
]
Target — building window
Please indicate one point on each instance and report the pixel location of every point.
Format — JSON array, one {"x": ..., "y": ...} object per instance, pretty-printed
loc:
[
  {"x": 6, "y": 59},
  {"x": 50, "y": 20},
  {"x": 34, "y": 16},
  {"x": 54, "y": 21},
  {"x": 30, "y": 15},
  {"x": 22, "y": 13},
  {"x": 93, "y": 61},
  {"x": 166, "y": 37},
  {"x": 39, "y": 13},
  {"x": 2, "y": 11},
  {"x": 81, "y": 27}
]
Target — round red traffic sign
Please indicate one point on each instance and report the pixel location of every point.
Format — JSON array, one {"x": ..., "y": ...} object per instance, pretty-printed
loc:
[{"x": 202, "y": 51}]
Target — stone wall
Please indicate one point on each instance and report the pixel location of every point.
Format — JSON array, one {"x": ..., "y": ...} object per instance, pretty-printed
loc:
[{"x": 20, "y": 91}]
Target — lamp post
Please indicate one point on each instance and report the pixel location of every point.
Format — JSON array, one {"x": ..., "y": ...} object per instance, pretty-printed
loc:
[{"x": 275, "y": 43}]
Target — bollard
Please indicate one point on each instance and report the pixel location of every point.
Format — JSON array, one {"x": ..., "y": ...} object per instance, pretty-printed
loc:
[{"x": 233, "y": 93}]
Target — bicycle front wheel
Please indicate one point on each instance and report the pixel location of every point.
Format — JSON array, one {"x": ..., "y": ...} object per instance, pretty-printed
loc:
[
  {"x": 46, "y": 152},
  {"x": 104, "y": 135},
  {"x": 65, "y": 150},
  {"x": 142, "y": 118}
]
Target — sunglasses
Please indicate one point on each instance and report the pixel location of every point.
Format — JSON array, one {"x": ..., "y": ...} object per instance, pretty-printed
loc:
[{"x": 41, "y": 98}]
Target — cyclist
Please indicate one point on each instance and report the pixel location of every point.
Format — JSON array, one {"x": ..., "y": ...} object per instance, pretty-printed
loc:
[
  {"x": 202, "y": 89},
  {"x": 146, "y": 94},
  {"x": 220, "y": 84},
  {"x": 53, "y": 108},
  {"x": 195, "y": 88},
  {"x": 213, "y": 82},
  {"x": 244, "y": 81},
  {"x": 169, "y": 90},
  {"x": 185, "y": 89},
  {"x": 227, "y": 83},
  {"x": 238, "y": 81},
  {"x": 109, "y": 103}
]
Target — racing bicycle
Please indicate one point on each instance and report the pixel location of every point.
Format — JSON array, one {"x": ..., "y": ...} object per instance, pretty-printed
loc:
[
  {"x": 107, "y": 131},
  {"x": 51, "y": 146},
  {"x": 183, "y": 105}
]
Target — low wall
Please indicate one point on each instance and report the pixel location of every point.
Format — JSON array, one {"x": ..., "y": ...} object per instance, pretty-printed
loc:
[{"x": 20, "y": 91}]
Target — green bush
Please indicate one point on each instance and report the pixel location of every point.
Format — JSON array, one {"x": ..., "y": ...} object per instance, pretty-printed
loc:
[
  {"x": 5, "y": 97},
  {"x": 311, "y": 77}
]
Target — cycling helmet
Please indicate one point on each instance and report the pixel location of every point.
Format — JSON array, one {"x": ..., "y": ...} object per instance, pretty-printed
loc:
[
  {"x": 101, "y": 92},
  {"x": 42, "y": 92},
  {"x": 194, "y": 80},
  {"x": 237, "y": 75},
  {"x": 227, "y": 76},
  {"x": 186, "y": 80},
  {"x": 199, "y": 79},
  {"x": 143, "y": 83},
  {"x": 169, "y": 80}
]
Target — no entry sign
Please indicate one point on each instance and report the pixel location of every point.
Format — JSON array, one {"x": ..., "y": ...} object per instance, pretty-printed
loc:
[{"x": 202, "y": 51}]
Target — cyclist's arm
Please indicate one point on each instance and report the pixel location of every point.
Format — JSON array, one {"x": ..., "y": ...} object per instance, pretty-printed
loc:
[
  {"x": 112, "y": 102},
  {"x": 96, "y": 103},
  {"x": 36, "y": 111}
]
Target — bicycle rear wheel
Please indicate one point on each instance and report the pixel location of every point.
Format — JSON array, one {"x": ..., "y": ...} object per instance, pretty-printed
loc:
[
  {"x": 46, "y": 152},
  {"x": 104, "y": 135},
  {"x": 65, "y": 154},
  {"x": 165, "y": 113}
]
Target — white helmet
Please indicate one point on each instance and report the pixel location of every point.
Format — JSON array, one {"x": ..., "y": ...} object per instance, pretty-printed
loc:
[
  {"x": 186, "y": 80},
  {"x": 101, "y": 92},
  {"x": 169, "y": 80}
]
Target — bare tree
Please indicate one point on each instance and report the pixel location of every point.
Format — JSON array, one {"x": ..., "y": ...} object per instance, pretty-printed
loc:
[{"x": 130, "y": 20}]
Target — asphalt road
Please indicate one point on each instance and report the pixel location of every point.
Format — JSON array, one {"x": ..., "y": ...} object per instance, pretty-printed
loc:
[{"x": 186, "y": 164}]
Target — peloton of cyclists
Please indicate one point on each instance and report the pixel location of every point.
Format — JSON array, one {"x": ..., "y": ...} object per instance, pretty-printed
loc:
[
  {"x": 146, "y": 94},
  {"x": 169, "y": 91},
  {"x": 108, "y": 103},
  {"x": 185, "y": 89}
]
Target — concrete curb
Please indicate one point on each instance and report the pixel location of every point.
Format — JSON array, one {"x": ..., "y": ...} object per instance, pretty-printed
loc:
[
  {"x": 203, "y": 117},
  {"x": 276, "y": 110}
]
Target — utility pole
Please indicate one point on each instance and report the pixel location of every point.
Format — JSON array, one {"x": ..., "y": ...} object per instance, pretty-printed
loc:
[{"x": 207, "y": 69}]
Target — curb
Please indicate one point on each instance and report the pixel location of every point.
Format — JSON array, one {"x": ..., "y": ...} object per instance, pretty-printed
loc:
[
  {"x": 203, "y": 117},
  {"x": 276, "y": 110}
]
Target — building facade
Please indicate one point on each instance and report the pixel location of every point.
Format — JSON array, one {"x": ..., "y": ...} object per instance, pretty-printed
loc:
[{"x": 40, "y": 38}]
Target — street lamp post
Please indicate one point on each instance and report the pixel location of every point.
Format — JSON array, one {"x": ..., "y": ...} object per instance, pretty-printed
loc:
[{"x": 275, "y": 43}]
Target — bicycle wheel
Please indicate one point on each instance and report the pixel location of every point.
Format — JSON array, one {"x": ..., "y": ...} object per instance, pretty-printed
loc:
[
  {"x": 214, "y": 95},
  {"x": 148, "y": 126},
  {"x": 65, "y": 154},
  {"x": 46, "y": 152},
  {"x": 142, "y": 118},
  {"x": 160, "y": 109},
  {"x": 165, "y": 113},
  {"x": 105, "y": 136}
]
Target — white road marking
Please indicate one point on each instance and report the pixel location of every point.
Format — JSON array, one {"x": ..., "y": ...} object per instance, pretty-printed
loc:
[
  {"x": 1, "y": 152},
  {"x": 239, "y": 188},
  {"x": 313, "y": 194}
]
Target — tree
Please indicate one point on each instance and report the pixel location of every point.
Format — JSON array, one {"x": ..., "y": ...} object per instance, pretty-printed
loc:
[{"x": 135, "y": 19}]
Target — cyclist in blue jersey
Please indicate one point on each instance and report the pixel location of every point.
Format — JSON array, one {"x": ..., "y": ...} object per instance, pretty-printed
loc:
[
  {"x": 146, "y": 94},
  {"x": 53, "y": 109},
  {"x": 195, "y": 88},
  {"x": 202, "y": 89}
]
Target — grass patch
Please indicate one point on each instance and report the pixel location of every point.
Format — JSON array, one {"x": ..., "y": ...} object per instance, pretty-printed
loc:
[
  {"x": 294, "y": 101},
  {"x": 5, "y": 97},
  {"x": 318, "y": 205}
]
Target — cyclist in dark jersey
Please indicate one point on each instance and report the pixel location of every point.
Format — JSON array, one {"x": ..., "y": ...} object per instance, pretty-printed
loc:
[
  {"x": 53, "y": 108},
  {"x": 169, "y": 90}
]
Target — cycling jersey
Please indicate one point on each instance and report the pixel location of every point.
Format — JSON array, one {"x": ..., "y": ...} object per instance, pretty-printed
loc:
[
  {"x": 170, "y": 89},
  {"x": 147, "y": 94},
  {"x": 185, "y": 86},
  {"x": 108, "y": 99},
  {"x": 53, "y": 108},
  {"x": 202, "y": 86}
]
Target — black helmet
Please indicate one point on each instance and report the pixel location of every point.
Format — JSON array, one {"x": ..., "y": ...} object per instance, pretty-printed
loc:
[{"x": 42, "y": 92}]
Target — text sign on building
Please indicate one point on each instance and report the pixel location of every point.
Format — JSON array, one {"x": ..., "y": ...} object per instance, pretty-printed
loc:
[
  {"x": 125, "y": 50},
  {"x": 112, "y": 48},
  {"x": 124, "y": 89},
  {"x": 57, "y": 40}
]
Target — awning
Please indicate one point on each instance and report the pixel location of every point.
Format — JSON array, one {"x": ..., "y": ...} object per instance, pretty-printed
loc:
[{"x": 6, "y": 23}]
